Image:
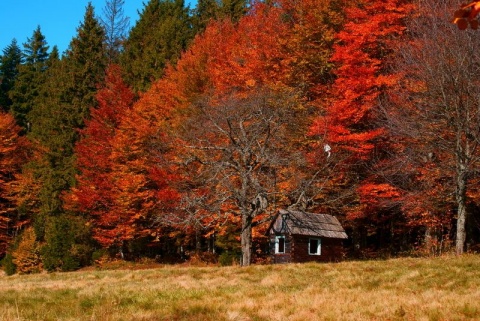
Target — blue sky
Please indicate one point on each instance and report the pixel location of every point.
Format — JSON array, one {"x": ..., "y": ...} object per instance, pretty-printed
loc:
[{"x": 58, "y": 19}]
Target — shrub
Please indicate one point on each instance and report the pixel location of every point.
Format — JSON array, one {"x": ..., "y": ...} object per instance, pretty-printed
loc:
[
  {"x": 8, "y": 266},
  {"x": 26, "y": 257},
  {"x": 68, "y": 244},
  {"x": 229, "y": 258}
]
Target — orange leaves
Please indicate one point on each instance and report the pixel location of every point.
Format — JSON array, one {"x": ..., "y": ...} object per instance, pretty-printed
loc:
[
  {"x": 467, "y": 16},
  {"x": 360, "y": 76},
  {"x": 360, "y": 52},
  {"x": 14, "y": 152},
  {"x": 241, "y": 55},
  {"x": 349, "y": 123}
]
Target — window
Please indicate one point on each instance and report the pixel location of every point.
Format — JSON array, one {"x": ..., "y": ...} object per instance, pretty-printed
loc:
[
  {"x": 279, "y": 244},
  {"x": 314, "y": 246}
]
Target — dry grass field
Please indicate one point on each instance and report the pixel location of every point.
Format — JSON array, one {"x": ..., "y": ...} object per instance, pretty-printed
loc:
[{"x": 445, "y": 288}]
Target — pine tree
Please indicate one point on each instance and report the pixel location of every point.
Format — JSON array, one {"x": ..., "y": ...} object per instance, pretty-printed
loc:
[
  {"x": 11, "y": 59},
  {"x": 162, "y": 32},
  {"x": 25, "y": 93}
]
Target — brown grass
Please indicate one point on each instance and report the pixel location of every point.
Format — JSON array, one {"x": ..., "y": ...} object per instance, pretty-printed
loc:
[{"x": 446, "y": 288}]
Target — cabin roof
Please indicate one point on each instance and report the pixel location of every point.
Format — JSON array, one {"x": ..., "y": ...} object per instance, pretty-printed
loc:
[{"x": 305, "y": 223}]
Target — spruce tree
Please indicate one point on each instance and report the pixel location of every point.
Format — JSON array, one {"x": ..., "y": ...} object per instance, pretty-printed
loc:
[
  {"x": 160, "y": 35},
  {"x": 66, "y": 97},
  {"x": 36, "y": 50},
  {"x": 233, "y": 9},
  {"x": 208, "y": 10},
  {"x": 86, "y": 60},
  {"x": 25, "y": 93},
  {"x": 9, "y": 62},
  {"x": 205, "y": 11}
]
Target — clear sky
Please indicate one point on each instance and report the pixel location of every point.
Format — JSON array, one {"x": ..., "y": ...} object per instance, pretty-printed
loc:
[{"x": 58, "y": 19}]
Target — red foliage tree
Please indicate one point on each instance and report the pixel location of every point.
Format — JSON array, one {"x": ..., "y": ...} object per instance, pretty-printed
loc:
[
  {"x": 143, "y": 168},
  {"x": 268, "y": 48},
  {"x": 350, "y": 125},
  {"x": 94, "y": 192},
  {"x": 14, "y": 152}
]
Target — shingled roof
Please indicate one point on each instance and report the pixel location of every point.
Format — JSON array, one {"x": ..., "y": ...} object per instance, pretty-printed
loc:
[{"x": 311, "y": 224}]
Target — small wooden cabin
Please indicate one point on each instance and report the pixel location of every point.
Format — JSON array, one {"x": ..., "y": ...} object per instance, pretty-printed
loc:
[{"x": 297, "y": 236}]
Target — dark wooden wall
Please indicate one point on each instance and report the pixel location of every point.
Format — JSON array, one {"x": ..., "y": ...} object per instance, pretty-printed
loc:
[
  {"x": 296, "y": 250},
  {"x": 331, "y": 250}
]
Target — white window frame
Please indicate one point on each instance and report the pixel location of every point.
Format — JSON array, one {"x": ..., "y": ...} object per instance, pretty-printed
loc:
[
  {"x": 277, "y": 244},
  {"x": 318, "y": 250}
]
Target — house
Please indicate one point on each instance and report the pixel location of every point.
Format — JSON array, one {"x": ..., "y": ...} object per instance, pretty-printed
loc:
[{"x": 297, "y": 236}]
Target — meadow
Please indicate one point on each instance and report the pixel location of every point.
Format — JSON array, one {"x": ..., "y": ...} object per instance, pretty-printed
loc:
[{"x": 443, "y": 288}]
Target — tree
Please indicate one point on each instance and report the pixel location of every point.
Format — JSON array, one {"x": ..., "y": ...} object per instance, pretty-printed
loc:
[
  {"x": 142, "y": 171},
  {"x": 313, "y": 26},
  {"x": 210, "y": 10},
  {"x": 242, "y": 156},
  {"x": 158, "y": 38},
  {"x": 11, "y": 59},
  {"x": 349, "y": 124},
  {"x": 94, "y": 192},
  {"x": 26, "y": 256},
  {"x": 228, "y": 62},
  {"x": 86, "y": 59},
  {"x": 13, "y": 155},
  {"x": 116, "y": 26},
  {"x": 205, "y": 11},
  {"x": 26, "y": 90},
  {"x": 439, "y": 113},
  {"x": 467, "y": 15},
  {"x": 67, "y": 96},
  {"x": 233, "y": 9}
]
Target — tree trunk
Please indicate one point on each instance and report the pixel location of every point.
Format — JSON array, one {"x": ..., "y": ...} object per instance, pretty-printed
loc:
[
  {"x": 428, "y": 241},
  {"x": 460, "y": 196},
  {"x": 246, "y": 240}
]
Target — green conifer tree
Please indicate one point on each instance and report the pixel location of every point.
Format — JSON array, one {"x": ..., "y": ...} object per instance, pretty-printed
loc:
[
  {"x": 233, "y": 9},
  {"x": 162, "y": 32},
  {"x": 25, "y": 92},
  {"x": 86, "y": 60},
  {"x": 9, "y": 62},
  {"x": 205, "y": 11},
  {"x": 66, "y": 97}
]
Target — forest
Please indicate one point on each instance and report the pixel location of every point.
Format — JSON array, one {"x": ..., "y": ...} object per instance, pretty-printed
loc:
[{"x": 183, "y": 135}]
